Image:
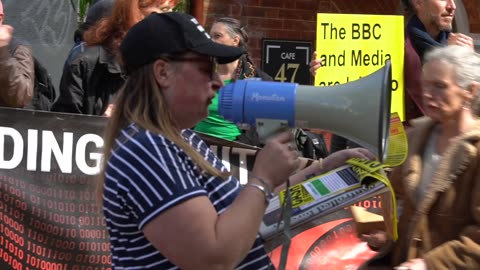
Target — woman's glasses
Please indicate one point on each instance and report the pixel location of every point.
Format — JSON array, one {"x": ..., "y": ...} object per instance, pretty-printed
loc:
[{"x": 213, "y": 65}]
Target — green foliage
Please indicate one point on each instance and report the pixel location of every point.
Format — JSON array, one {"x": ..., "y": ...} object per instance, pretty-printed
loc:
[
  {"x": 81, "y": 7},
  {"x": 183, "y": 6}
]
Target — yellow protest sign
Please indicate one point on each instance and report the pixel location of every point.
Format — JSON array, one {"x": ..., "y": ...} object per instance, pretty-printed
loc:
[{"x": 353, "y": 46}]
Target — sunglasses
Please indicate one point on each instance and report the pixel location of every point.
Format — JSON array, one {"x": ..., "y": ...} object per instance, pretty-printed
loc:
[{"x": 213, "y": 64}]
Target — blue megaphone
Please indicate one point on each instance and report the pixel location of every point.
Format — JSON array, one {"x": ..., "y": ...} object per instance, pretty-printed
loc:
[{"x": 358, "y": 110}]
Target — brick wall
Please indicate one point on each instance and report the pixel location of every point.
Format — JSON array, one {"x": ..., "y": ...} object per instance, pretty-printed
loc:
[
  {"x": 473, "y": 9},
  {"x": 295, "y": 19},
  {"x": 288, "y": 19}
]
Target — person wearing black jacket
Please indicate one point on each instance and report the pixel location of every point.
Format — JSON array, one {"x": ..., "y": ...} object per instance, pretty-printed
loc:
[{"x": 92, "y": 78}]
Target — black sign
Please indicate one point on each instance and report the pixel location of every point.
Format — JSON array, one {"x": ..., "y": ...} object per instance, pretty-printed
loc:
[{"x": 287, "y": 60}]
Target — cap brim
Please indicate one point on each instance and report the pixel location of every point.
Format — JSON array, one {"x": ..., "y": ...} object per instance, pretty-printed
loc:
[{"x": 224, "y": 54}]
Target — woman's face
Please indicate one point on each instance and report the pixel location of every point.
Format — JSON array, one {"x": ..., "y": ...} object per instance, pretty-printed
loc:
[
  {"x": 160, "y": 6},
  {"x": 191, "y": 88},
  {"x": 443, "y": 99},
  {"x": 220, "y": 35}
]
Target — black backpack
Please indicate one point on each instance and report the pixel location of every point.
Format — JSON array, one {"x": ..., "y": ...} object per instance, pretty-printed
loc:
[
  {"x": 311, "y": 145},
  {"x": 44, "y": 93}
]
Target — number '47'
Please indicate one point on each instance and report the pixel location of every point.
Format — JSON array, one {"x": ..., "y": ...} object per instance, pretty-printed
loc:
[{"x": 281, "y": 72}]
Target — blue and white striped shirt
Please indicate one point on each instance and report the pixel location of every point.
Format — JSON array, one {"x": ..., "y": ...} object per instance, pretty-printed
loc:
[{"x": 148, "y": 174}]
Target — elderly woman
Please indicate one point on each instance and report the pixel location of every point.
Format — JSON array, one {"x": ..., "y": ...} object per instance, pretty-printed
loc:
[
  {"x": 439, "y": 184},
  {"x": 169, "y": 202}
]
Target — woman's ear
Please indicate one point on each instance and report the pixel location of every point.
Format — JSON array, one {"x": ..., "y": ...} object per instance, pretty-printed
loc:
[
  {"x": 162, "y": 72},
  {"x": 470, "y": 93},
  {"x": 236, "y": 40},
  {"x": 472, "y": 90}
]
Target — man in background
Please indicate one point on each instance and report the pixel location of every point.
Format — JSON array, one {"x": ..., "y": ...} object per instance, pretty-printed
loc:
[{"x": 429, "y": 25}]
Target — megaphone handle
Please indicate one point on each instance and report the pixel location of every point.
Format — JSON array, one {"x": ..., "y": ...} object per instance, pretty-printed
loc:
[{"x": 267, "y": 128}]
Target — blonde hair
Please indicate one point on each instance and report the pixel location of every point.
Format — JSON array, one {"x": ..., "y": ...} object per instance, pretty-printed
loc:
[{"x": 141, "y": 101}]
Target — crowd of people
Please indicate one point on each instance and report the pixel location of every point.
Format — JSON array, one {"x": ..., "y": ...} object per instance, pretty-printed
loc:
[
  {"x": 92, "y": 74},
  {"x": 157, "y": 74}
]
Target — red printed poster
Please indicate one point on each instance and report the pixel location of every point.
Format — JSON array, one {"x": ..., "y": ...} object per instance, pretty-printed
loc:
[
  {"x": 332, "y": 245},
  {"x": 50, "y": 219},
  {"x": 49, "y": 215}
]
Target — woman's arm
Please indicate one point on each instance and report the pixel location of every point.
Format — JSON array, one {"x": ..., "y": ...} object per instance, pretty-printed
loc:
[{"x": 193, "y": 235}]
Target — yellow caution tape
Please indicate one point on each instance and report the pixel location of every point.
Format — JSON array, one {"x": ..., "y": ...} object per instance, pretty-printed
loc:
[{"x": 362, "y": 171}]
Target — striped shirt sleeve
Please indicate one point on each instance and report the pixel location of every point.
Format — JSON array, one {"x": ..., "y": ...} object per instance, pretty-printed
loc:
[{"x": 151, "y": 175}]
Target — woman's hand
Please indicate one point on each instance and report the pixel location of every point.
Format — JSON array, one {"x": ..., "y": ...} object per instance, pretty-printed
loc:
[
  {"x": 375, "y": 240},
  {"x": 339, "y": 158},
  {"x": 414, "y": 264},
  {"x": 315, "y": 64},
  {"x": 277, "y": 160},
  {"x": 109, "y": 111},
  {"x": 6, "y": 33}
]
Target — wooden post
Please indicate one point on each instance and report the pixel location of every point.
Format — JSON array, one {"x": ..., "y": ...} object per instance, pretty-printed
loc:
[{"x": 196, "y": 9}]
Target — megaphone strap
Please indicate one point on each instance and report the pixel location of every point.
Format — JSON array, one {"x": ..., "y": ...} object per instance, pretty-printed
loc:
[{"x": 287, "y": 234}]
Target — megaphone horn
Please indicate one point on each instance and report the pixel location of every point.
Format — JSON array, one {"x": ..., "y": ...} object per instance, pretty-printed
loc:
[{"x": 358, "y": 110}]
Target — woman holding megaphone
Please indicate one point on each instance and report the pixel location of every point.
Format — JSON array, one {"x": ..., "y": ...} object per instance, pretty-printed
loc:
[{"x": 169, "y": 202}]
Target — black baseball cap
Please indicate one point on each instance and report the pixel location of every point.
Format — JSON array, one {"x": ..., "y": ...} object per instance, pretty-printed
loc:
[{"x": 170, "y": 33}]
